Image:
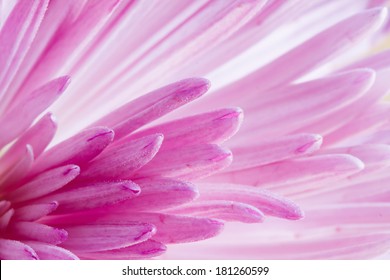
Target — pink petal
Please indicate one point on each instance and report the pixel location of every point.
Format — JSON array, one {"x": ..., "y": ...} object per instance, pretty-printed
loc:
[
  {"x": 290, "y": 66},
  {"x": 267, "y": 202},
  {"x": 149, "y": 107},
  {"x": 59, "y": 49},
  {"x": 15, "y": 250},
  {"x": 6, "y": 218},
  {"x": 180, "y": 229},
  {"x": 18, "y": 170},
  {"x": 122, "y": 160},
  {"x": 38, "y": 232},
  {"x": 213, "y": 127},
  {"x": 37, "y": 136},
  {"x": 188, "y": 162},
  {"x": 21, "y": 114},
  {"x": 32, "y": 212},
  {"x": 92, "y": 195},
  {"x": 45, "y": 183},
  {"x": 221, "y": 209},
  {"x": 159, "y": 194},
  {"x": 296, "y": 106},
  {"x": 102, "y": 237},
  {"x": 266, "y": 152},
  {"x": 293, "y": 173},
  {"x": 146, "y": 249},
  {"x": 78, "y": 149},
  {"x": 51, "y": 252},
  {"x": 16, "y": 37}
]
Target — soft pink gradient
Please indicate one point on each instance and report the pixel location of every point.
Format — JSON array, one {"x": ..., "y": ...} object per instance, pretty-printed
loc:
[{"x": 108, "y": 150}]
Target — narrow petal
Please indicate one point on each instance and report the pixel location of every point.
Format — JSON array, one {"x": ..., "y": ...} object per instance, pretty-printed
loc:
[
  {"x": 102, "y": 237},
  {"x": 78, "y": 149},
  {"x": 51, "y": 252},
  {"x": 297, "y": 106},
  {"x": 187, "y": 163},
  {"x": 266, "y": 201},
  {"x": 6, "y": 218},
  {"x": 147, "y": 249},
  {"x": 180, "y": 229},
  {"x": 266, "y": 152},
  {"x": 221, "y": 209},
  {"x": 213, "y": 127},
  {"x": 295, "y": 173},
  {"x": 45, "y": 183},
  {"x": 317, "y": 50},
  {"x": 38, "y": 232},
  {"x": 156, "y": 104},
  {"x": 16, "y": 37},
  {"x": 37, "y": 136},
  {"x": 92, "y": 196},
  {"x": 159, "y": 194},
  {"x": 21, "y": 115},
  {"x": 33, "y": 212},
  {"x": 15, "y": 250},
  {"x": 170, "y": 228},
  {"x": 122, "y": 160},
  {"x": 17, "y": 171}
]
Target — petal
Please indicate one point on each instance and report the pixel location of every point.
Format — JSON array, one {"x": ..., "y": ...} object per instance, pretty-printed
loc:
[
  {"x": 122, "y": 160},
  {"x": 37, "y": 136},
  {"x": 18, "y": 170},
  {"x": 146, "y": 249},
  {"x": 78, "y": 149},
  {"x": 15, "y": 250},
  {"x": 213, "y": 127},
  {"x": 154, "y": 105},
  {"x": 92, "y": 196},
  {"x": 38, "y": 232},
  {"x": 159, "y": 194},
  {"x": 266, "y": 201},
  {"x": 21, "y": 114},
  {"x": 221, "y": 209},
  {"x": 51, "y": 252},
  {"x": 102, "y": 237},
  {"x": 45, "y": 183},
  {"x": 280, "y": 148},
  {"x": 187, "y": 163},
  {"x": 32, "y": 212}
]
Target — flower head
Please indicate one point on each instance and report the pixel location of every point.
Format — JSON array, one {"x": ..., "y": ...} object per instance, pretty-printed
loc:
[{"x": 139, "y": 160}]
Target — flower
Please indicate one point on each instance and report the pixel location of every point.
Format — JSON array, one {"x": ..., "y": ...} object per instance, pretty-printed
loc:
[{"x": 124, "y": 177}]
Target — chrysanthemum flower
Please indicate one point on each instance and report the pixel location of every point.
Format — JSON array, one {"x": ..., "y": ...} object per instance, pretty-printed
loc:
[{"x": 118, "y": 175}]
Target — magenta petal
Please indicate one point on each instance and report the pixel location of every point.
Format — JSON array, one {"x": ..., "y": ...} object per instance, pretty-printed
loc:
[
  {"x": 18, "y": 170},
  {"x": 78, "y": 149},
  {"x": 51, "y": 252},
  {"x": 282, "y": 148},
  {"x": 122, "y": 160},
  {"x": 20, "y": 116},
  {"x": 180, "y": 229},
  {"x": 102, "y": 237},
  {"x": 93, "y": 195},
  {"x": 38, "y": 137},
  {"x": 267, "y": 202},
  {"x": 45, "y": 183},
  {"x": 159, "y": 194},
  {"x": 38, "y": 232},
  {"x": 188, "y": 162},
  {"x": 221, "y": 209},
  {"x": 15, "y": 250},
  {"x": 149, "y": 107},
  {"x": 32, "y": 212},
  {"x": 147, "y": 249},
  {"x": 213, "y": 127}
]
